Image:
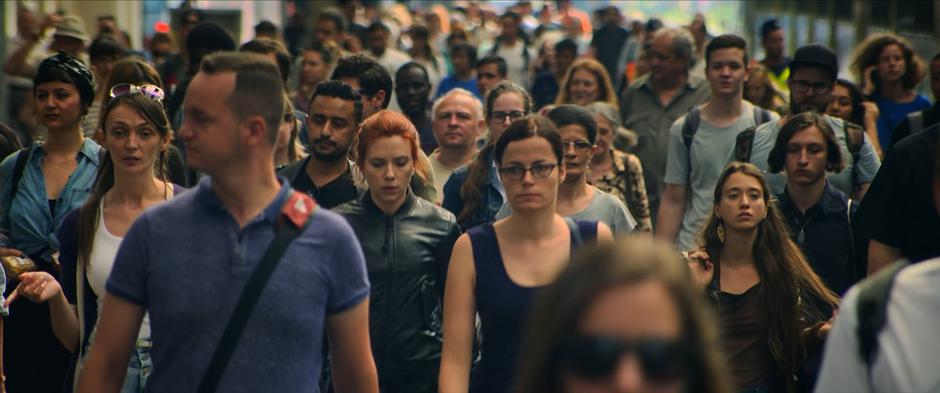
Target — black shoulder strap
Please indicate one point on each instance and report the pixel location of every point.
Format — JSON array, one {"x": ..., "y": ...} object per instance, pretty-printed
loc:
[
  {"x": 854, "y": 139},
  {"x": 287, "y": 230},
  {"x": 872, "y": 308},
  {"x": 575, "y": 231},
  {"x": 743, "y": 144},
  {"x": 689, "y": 127},
  {"x": 915, "y": 121},
  {"x": 18, "y": 168},
  {"x": 761, "y": 115}
]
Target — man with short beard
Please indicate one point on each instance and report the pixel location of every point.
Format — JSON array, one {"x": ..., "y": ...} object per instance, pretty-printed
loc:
[
  {"x": 325, "y": 175},
  {"x": 813, "y": 73}
]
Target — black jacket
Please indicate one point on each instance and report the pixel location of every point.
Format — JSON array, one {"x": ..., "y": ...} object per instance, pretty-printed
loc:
[{"x": 407, "y": 255}]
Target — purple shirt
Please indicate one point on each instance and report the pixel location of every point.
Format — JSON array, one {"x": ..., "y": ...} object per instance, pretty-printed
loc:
[{"x": 186, "y": 262}]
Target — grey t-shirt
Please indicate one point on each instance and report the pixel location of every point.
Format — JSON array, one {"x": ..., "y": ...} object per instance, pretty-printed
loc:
[
  {"x": 712, "y": 150},
  {"x": 603, "y": 207},
  {"x": 865, "y": 169}
]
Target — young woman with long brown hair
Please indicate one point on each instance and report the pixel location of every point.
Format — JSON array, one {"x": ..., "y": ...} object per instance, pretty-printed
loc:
[
  {"x": 772, "y": 308},
  {"x": 131, "y": 178}
]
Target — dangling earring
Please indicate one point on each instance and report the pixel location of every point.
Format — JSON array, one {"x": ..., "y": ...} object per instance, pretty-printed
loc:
[{"x": 721, "y": 231}]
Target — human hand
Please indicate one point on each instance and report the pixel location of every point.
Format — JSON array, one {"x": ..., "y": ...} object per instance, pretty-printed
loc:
[
  {"x": 868, "y": 84},
  {"x": 823, "y": 331},
  {"x": 871, "y": 112},
  {"x": 50, "y": 21},
  {"x": 701, "y": 267},
  {"x": 6, "y": 251},
  {"x": 38, "y": 287}
]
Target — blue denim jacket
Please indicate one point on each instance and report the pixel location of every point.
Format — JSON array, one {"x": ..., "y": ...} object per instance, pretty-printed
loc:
[
  {"x": 28, "y": 225},
  {"x": 492, "y": 190}
]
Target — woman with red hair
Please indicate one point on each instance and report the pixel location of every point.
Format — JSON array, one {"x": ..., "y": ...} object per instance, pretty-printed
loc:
[{"x": 407, "y": 243}]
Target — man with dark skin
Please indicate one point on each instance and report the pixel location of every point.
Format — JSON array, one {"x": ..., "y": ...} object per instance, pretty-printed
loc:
[
  {"x": 773, "y": 39},
  {"x": 490, "y": 71},
  {"x": 413, "y": 88}
]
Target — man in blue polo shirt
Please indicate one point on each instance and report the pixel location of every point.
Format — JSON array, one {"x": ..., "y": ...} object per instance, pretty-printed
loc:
[{"x": 186, "y": 262}]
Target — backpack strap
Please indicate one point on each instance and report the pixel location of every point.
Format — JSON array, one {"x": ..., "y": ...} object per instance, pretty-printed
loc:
[
  {"x": 18, "y": 168},
  {"x": 761, "y": 115},
  {"x": 872, "y": 309},
  {"x": 689, "y": 127},
  {"x": 743, "y": 144},
  {"x": 915, "y": 121},
  {"x": 575, "y": 231},
  {"x": 854, "y": 139}
]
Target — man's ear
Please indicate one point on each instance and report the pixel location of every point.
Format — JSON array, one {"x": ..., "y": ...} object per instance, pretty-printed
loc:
[
  {"x": 378, "y": 99},
  {"x": 256, "y": 130}
]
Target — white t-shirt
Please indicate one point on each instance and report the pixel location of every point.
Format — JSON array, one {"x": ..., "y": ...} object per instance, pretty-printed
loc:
[
  {"x": 441, "y": 173},
  {"x": 908, "y": 350},
  {"x": 517, "y": 68},
  {"x": 103, "y": 250}
]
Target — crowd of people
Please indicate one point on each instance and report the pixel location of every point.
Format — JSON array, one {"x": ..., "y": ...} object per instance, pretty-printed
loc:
[{"x": 455, "y": 200}]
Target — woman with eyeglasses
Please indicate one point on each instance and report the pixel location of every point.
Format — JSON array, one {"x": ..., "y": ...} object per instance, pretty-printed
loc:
[
  {"x": 616, "y": 172},
  {"x": 622, "y": 319},
  {"x": 407, "y": 243},
  {"x": 773, "y": 310},
  {"x": 131, "y": 178},
  {"x": 496, "y": 269},
  {"x": 474, "y": 193},
  {"x": 576, "y": 198},
  {"x": 40, "y": 185}
]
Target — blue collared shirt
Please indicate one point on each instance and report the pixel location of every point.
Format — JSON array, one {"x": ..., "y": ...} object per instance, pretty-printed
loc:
[
  {"x": 29, "y": 225},
  {"x": 827, "y": 238}
]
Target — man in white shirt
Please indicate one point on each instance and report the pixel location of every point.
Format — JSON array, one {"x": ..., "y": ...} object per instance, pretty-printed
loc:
[
  {"x": 457, "y": 123},
  {"x": 377, "y": 36}
]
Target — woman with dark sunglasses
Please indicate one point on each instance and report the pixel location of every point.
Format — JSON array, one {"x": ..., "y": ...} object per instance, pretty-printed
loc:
[
  {"x": 496, "y": 269},
  {"x": 773, "y": 310},
  {"x": 622, "y": 319},
  {"x": 39, "y": 186},
  {"x": 131, "y": 178}
]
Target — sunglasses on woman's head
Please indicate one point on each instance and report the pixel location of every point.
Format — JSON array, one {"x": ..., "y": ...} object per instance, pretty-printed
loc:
[
  {"x": 597, "y": 357},
  {"x": 152, "y": 92}
]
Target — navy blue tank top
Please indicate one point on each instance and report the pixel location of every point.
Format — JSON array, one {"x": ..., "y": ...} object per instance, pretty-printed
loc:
[{"x": 503, "y": 307}]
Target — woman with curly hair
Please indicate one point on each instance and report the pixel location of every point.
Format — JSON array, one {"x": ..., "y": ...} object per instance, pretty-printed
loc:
[{"x": 888, "y": 69}]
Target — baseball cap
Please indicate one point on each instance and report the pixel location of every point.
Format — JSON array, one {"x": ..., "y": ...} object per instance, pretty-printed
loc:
[
  {"x": 816, "y": 55},
  {"x": 72, "y": 26}
]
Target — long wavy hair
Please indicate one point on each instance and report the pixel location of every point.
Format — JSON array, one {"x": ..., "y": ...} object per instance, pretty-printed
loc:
[
  {"x": 594, "y": 270},
  {"x": 868, "y": 53},
  {"x": 89, "y": 212},
  {"x": 789, "y": 286},
  {"x": 478, "y": 170},
  {"x": 600, "y": 75}
]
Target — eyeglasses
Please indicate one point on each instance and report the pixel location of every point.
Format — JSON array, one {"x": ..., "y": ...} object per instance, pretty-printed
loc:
[
  {"x": 598, "y": 357},
  {"x": 579, "y": 145},
  {"x": 805, "y": 86},
  {"x": 501, "y": 116},
  {"x": 517, "y": 172},
  {"x": 152, "y": 92}
]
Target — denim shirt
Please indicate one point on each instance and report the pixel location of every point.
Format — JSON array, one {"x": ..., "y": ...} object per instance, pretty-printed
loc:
[
  {"x": 492, "y": 190},
  {"x": 29, "y": 225}
]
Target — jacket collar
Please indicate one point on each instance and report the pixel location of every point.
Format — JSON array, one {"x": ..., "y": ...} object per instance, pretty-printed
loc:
[
  {"x": 829, "y": 202},
  {"x": 369, "y": 205}
]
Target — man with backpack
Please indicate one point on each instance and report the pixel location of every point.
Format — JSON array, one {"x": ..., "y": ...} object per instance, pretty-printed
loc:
[
  {"x": 813, "y": 73},
  {"x": 882, "y": 340},
  {"x": 701, "y": 142}
]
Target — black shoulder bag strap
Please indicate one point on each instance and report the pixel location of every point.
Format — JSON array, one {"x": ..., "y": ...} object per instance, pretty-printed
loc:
[
  {"x": 872, "y": 309},
  {"x": 743, "y": 144},
  {"x": 575, "y": 231},
  {"x": 915, "y": 122},
  {"x": 689, "y": 127},
  {"x": 287, "y": 229},
  {"x": 18, "y": 168}
]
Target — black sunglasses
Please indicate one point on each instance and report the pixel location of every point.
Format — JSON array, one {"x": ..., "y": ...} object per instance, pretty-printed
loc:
[{"x": 597, "y": 357}]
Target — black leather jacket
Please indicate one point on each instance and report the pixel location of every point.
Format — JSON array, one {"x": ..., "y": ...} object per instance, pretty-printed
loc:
[{"x": 407, "y": 254}]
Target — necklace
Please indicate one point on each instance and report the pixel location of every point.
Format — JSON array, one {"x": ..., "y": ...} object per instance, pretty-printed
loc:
[
  {"x": 58, "y": 165},
  {"x": 801, "y": 236}
]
